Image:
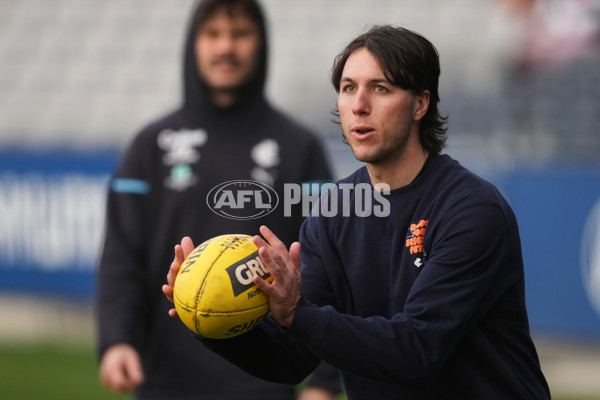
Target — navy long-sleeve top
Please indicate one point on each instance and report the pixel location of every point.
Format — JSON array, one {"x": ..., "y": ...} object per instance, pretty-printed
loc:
[{"x": 425, "y": 302}]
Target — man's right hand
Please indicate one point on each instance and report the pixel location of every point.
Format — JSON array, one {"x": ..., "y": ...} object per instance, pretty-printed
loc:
[{"x": 121, "y": 368}]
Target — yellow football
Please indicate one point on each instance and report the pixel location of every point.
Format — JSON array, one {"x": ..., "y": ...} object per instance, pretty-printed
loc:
[{"x": 214, "y": 294}]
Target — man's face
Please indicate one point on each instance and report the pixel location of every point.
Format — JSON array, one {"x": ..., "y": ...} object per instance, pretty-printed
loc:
[
  {"x": 377, "y": 117},
  {"x": 227, "y": 50}
]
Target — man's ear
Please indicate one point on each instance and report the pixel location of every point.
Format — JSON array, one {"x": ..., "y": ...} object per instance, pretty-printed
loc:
[{"x": 421, "y": 105}]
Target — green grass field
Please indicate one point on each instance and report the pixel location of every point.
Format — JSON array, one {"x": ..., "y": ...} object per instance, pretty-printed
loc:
[
  {"x": 56, "y": 372},
  {"x": 50, "y": 372}
]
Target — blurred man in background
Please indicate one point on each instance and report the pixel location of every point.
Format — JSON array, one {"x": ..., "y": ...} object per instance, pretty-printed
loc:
[{"x": 225, "y": 130}]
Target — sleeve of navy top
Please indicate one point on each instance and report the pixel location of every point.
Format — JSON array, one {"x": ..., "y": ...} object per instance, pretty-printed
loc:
[
  {"x": 120, "y": 276},
  {"x": 462, "y": 277},
  {"x": 267, "y": 352}
]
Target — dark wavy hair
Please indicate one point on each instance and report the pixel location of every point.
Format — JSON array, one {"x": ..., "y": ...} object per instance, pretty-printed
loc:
[
  {"x": 409, "y": 61},
  {"x": 206, "y": 8}
]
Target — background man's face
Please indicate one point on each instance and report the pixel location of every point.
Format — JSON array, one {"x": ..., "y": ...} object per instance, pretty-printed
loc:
[{"x": 227, "y": 50}]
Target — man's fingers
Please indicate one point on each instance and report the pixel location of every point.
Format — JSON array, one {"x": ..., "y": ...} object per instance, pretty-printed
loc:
[
  {"x": 272, "y": 260},
  {"x": 259, "y": 242},
  {"x": 172, "y": 274},
  {"x": 120, "y": 368},
  {"x": 264, "y": 250},
  {"x": 284, "y": 267},
  {"x": 272, "y": 239},
  {"x": 178, "y": 254},
  {"x": 181, "y": 252},
  {"x": 168, "y": 291},
  {"x": 295, "y": 254},
  {"x": 187, "y": 246},
  {"x": 135, "y": 376},
  {"x": 263, "y": 285}
]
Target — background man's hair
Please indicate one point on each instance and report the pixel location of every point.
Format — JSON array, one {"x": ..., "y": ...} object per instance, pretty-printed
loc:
[{"x": 250, "y": 8}]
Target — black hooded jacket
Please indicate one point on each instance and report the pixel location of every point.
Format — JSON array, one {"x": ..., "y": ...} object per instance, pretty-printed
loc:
[{"x": 158, "y": 194}]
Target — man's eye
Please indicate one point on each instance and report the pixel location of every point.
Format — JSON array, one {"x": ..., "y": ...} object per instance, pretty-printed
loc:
[
  {"x": 242, "y": 33},
  {"x": 208, "y": 34}
]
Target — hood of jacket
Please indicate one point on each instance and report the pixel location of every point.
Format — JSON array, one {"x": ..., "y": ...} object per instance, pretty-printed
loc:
[{"x": 196, "y": 103}]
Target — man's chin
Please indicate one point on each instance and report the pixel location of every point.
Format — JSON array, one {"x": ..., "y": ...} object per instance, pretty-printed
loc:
[
  {"x": 226, "y": 86},
  {"x": 366, "y": 158}
]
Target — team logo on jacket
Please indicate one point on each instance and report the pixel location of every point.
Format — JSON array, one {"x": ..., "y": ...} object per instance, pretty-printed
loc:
[
  {"x": 265, "y": 155},
  {"x": 242, "y": 199},
  {"x": 181, "y": 151},
  {"x": 414, "y": 241}
]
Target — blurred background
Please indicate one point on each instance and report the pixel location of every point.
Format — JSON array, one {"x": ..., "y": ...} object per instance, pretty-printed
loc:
[{"x": 78, "y": 78}]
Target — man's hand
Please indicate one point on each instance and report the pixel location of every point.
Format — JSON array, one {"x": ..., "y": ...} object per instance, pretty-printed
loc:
[
  {"x": 284, "y": 267},
  {"x": 181, "y": 252},
  {"x": 315, "y": 393},
  {"x": 121, "y": 369}
]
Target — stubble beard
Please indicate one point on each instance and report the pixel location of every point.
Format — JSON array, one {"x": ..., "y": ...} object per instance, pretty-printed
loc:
[{"x": 385, "y": 154}]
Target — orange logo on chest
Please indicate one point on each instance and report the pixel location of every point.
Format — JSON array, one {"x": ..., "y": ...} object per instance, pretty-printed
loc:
[{"x": 414, "y": 241}]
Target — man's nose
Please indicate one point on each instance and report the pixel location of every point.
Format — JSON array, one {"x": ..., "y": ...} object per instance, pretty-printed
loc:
[
  {"x": 360, "y": 103},
  {"x": 225, "y": 43}
]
